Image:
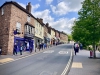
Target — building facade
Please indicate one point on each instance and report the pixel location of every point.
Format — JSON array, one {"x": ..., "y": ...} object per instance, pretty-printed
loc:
[
  {"x": 47, "y": 36},
  {"x": 16, "y": 26},
  {"x": 39, "y": 32},
  {"x": 57, "y": 35},
  {"x": 63, "y": 37}
]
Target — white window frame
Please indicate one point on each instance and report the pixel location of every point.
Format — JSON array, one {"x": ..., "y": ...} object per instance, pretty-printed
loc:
[
  {"x": 18, "y": 26},
  {"x": 2, "y": 11},
  {"x": 28, "y": 18}
]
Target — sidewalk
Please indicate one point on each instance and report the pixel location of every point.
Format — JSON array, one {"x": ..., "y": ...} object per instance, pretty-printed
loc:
[
  {"x": 8, "y": 58},
  {"x": 82, "y": 65}
]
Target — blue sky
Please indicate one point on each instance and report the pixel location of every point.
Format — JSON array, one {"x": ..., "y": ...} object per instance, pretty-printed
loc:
[{"x": 60, "y": 14}]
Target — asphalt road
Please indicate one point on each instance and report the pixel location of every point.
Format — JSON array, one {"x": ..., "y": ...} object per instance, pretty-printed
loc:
[{"x": 50, "y": 62}]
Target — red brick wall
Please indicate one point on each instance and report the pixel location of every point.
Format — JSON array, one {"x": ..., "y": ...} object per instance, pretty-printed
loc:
[
  {"x": 17, "y": 15},
  {"x": 63, "y": 37},
  {"x": 4, "y": 28},
  {"x": 12, "y": 15}
]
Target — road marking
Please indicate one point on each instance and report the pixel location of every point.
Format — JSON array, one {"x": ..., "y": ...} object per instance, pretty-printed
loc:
[
  {"x": 63, "y": 52},
  {"x": 45, "y": 73},
  {"x": 50, "y": 51},
  {"x": 77, "y": 65},
  {"x": 48, "y": 73},
  {"x": 67, "y": 66},
  {"x": 6, "y": 60}
]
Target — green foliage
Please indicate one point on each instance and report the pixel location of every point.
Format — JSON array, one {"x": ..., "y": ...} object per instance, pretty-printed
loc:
[
  {"x": 86, "y": 28},
  {"x": 69, "y": 37}
]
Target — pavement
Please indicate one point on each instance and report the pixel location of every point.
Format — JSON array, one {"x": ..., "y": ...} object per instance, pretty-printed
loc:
[
  {"x": 83, "y": 65},
  {"x": 8, "y": 58}
]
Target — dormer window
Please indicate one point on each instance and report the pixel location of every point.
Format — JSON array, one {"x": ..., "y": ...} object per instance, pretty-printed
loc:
[
  {"x": 2, "y": 11},
  {"x": 28, "y": 18}
]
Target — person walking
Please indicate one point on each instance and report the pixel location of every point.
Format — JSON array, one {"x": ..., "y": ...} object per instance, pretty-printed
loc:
[
  {"x": 21, "y": 49},
  {"x": 15, "y": 49},
  {"x": 81, "y": 46},
  {"x": 30, "y": 49},
  {"x": 76, "y": 47}
]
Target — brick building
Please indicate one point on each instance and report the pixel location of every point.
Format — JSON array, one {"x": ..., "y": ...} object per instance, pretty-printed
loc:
[
  {"x": 63, "y": 37},
  {"x": 57, "y": 35},
  {"x": 16, "y": 25}
]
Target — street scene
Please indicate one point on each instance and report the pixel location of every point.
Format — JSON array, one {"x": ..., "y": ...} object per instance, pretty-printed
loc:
[
  {"x": 50, "y": 37},
  {"x": 48, "y": 62}
]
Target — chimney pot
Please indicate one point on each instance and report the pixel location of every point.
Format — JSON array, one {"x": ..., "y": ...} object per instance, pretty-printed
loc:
[{"x": 28, "y": 7}]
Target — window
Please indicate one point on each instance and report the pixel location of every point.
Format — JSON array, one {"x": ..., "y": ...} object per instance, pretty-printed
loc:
[
  {"x": 29, "y": 29},
  {"x": 18, "y": 26},
  {"x": 28, "y": 18},
  {"x": 2, "y": 11}
]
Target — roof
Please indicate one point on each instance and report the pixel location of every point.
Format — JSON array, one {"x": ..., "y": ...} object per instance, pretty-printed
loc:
[{"x": 20, "y": 7}]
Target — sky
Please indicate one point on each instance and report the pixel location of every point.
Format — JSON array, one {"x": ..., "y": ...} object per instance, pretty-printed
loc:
[{"x": 60, "y": 14}]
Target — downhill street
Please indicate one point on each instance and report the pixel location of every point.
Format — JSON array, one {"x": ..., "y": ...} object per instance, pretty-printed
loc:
[{"x": 50, "y": 62}]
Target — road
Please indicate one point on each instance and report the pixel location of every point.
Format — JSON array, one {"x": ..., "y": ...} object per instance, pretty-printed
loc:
[{"x": 50, "y": 62}]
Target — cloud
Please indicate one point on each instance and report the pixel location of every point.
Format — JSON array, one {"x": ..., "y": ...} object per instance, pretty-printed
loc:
[
  {"x": 65, "y": 6},
  {"x": 62, "y": 24},
  {"x": 49, "y": 1},
  {"x": 34, "y": 7},
  {"x": 61, "y": 9},
  {"x": 44, "y": 14}
]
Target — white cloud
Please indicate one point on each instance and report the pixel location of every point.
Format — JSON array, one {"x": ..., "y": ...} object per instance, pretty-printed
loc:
[
  {"x": 34, "y": 7},
  {"x": 65, "y": 6},
  {"x": 49, "y": 1},
  {"x": 45, "y": 15},
  {"x": 23, "y": 5},
  {"x": 61, "y": 9},
  {"x": 62, "y": 24}
]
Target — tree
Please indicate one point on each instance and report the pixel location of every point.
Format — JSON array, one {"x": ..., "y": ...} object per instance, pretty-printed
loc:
[
  {"x": 87, "y": 28},
  {"x": 69, "y": 37}
]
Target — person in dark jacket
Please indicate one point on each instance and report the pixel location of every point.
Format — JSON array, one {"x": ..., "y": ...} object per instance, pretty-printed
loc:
[
  {"x": 21, "y": 49},
  {"x": 76, "y": 47},
  {"x": 15, "y": 49},
  {"x": 31, "y": 49}
]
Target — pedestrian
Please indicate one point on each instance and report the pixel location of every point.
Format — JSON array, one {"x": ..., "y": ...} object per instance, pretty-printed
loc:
[
  {"x": 0, "y": 50},
  {"x": 39, "y": 46},
  {"x": 21, "y": 49},
  {"x": 15, "y": 49},
  {"x": 42, "y": 45},
  {"x": 81, "y": 46},
  {"x": 76, "y": 47},
  {"x": 30, "y": 49}
]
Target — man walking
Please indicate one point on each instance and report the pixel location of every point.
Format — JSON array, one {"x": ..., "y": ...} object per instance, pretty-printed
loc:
[
  {"x": 15, "y": 49},
  {"x": 76, "y": 47},
  {"x": 21, "y": 48}
]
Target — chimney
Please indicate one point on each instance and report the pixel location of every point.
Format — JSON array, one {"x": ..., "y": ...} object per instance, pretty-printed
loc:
[
  {"x": 47, "y": 24},
  {"x": 28, "y": 7},
  {"x": 41, "y": 20}
]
